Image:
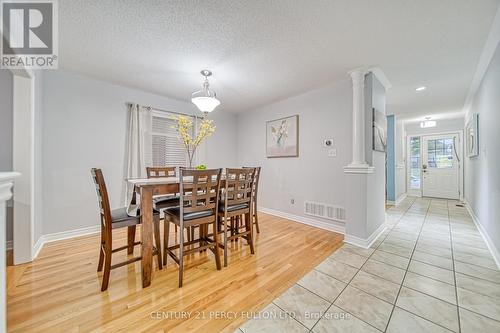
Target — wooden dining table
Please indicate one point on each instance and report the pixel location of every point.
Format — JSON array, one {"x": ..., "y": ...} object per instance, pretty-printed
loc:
[{"x": 147, "y": 188}]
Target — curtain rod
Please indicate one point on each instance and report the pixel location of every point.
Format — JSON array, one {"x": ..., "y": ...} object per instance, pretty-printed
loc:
[{"x": 157, "y": 109}]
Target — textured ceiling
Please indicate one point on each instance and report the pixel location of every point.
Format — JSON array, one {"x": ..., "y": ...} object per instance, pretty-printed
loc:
[{"x": 263, "y": 51}]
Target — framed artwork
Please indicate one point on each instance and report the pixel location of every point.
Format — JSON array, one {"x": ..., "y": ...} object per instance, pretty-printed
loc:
[
  {"x": 379, "y": 131},
  {"x": 472, "y": 136},
  {"x": 282, "y": 137}
]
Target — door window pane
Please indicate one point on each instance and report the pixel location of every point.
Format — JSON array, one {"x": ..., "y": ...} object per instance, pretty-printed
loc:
[
  {"x": 415, "y": 172},
  {"x": 440, "y": 153}
]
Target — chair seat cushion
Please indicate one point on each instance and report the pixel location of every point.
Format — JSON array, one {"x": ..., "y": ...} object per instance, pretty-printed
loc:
[
  {"x": 120, "y": 215},
  {"x": 232, "y": 208},
  {"x": 176, "y": 211},
  {"x": 164, "y": 202}
]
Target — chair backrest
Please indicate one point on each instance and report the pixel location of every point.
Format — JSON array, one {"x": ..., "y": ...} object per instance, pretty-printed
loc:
[
  {"x": 102, "y": 198},
  {"x": 239, "y": 186},
  {"x": 199, "y": 190},
  {"x": 158, "y": 172},
  {"x": 256, "y": 177}
]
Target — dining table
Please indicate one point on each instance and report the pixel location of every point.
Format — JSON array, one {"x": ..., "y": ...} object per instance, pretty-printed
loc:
[{"x": 147, "y": 188}]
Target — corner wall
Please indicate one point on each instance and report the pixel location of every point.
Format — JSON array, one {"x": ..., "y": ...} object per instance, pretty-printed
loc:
[{"x": 324, "y": 113}]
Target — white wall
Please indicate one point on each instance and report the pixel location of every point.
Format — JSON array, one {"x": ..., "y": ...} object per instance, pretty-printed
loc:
[
  {"x": 6, "y": 135},
  {"x": 325, "y": 112},
  {"x": 85, "y": 126},
  {"x": 482, "y": 176}
]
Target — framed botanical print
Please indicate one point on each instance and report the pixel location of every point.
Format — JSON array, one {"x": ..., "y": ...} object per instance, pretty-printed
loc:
[
  {"x": 282, "y": 137},
  {"x": 472, "y": 136}
]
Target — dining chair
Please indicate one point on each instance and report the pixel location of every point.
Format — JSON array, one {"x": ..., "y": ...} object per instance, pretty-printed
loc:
[
  {"x": 115, "y": 219},
  {"x": 255, "y": 189},
  {"x": 236, "y": 203},
  {"x": 163, "y": 202},
  {"x": 199, "y": 198}
]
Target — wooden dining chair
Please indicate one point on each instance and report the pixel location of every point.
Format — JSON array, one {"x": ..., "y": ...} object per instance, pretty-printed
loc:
[
  {"x": 255, "y": 190},
  {"x": 199, "y": 197},
  {"x": 237, "y": 202},
  {"x": 114, "y": 219}
]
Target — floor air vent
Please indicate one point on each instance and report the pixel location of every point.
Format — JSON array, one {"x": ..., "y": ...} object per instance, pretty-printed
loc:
[{"x": 325, "y": 211}]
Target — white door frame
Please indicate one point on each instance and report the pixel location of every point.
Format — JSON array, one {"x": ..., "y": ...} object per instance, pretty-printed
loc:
[{"x": 460, "y": 151}]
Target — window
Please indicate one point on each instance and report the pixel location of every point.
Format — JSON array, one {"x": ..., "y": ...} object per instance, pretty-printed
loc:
[
  {"x": 167, "y": 149},
  {"x": 440, "y": 153},
  {"x": 415, "y": 172}
]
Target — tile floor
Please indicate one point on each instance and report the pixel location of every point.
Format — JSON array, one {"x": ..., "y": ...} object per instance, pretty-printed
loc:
[{"x": 429, "y": 272}]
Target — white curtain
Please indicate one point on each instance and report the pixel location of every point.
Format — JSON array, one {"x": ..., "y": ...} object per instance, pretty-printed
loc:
[{"x": 139, "y": 153}]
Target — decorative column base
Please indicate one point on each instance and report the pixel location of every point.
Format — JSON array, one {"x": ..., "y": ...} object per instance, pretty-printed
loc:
[{"x": 358, "y": 168}]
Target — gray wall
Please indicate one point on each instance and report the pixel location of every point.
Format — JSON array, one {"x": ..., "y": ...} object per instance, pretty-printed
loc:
[
  {"x": 323, "y": 113},
  {"x": 6, "y": 133},
  {"x": 482, "y": 178},
  {"x": 85, "y": 126}
]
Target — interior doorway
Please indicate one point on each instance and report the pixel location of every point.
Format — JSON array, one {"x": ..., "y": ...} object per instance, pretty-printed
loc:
[{"x": 434, "y": 167}]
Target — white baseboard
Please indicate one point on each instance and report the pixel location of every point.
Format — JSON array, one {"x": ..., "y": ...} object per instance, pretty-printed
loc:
[
  {"x": 398, "y": 200},
  {"x": 368, "y": 242},
  {"x": 491, "y": 246},
  {"x": 330, "y": 226},
  {"x": 44, "y": 239}
]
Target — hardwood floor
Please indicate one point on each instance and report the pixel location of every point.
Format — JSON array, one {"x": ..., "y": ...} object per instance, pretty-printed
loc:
[{"x": 60, "y": 290}]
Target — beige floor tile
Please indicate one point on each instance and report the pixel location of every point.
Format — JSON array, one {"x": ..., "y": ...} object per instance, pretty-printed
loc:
[
  {"x": 337, "y": 270},
  {"x": 405, "y": 322},
  {"x": 366, "y": 307},
  {"x": 322, "y": 285},
  {"x": 395, "y": 249},
  {"x": 390, "y": 259},
  {"x": 431, "y": 287},
  {"x": 336, "y": 320},
  {"x": 433, "y": 272},
  {"x": 471, "y": 322},
  {"x": 434, "y": 250},
  {"x": 477, "y": 285},
  {"x": 349, "y": 258},
  {"x": 484, "y": 305},
  {"x": 478, "y": 271},
  {"x": 272, "y": 319},
  {"x": 385, "y": 271},
  {"x": 428, "y": 307},
  {"x": 376, "y": 286},
  {"x": 306, "y": 306},
  {"x": 357, "y": 250},
  {"x": 433, "y": 260}
]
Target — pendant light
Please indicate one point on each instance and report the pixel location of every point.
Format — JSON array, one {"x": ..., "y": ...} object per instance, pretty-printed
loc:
[{"x": 205, "y": 99}]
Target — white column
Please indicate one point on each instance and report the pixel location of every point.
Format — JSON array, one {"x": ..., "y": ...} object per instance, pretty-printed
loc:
[
  {"x": 6, "y": 179},
  {"x": 358, "y": 163}
]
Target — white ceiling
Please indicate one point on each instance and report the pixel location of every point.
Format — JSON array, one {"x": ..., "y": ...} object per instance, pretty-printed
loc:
[{"x": 263, "y": 51}]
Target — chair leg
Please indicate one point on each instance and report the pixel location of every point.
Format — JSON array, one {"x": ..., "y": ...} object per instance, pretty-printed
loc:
[
  {"x": 176, "y": 228},
  {"x": 166, "y": 234},
  {"x": 107, "y": 269},
  {"x": 181, "y": 257},
  {"x": 216, "y": 248},
  {"x": 249, "y": 227},
  {"x": 101, "y": 253},
  {"x": 130, "y": 239},
  {"x": 156, "y": 226},
  {"x": 256, "y": 218},
  {"x": 225, "y": 242}
]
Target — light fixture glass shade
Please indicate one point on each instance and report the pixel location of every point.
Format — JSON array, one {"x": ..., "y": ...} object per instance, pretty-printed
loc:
[
  {"x": 205, "y": 103},
  {"x": 428, "y": 123},
  {"x": 205, "y": 99}
]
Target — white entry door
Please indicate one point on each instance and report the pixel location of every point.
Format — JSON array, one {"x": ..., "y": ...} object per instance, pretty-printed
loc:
[{"x": 441, "y": 166}]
